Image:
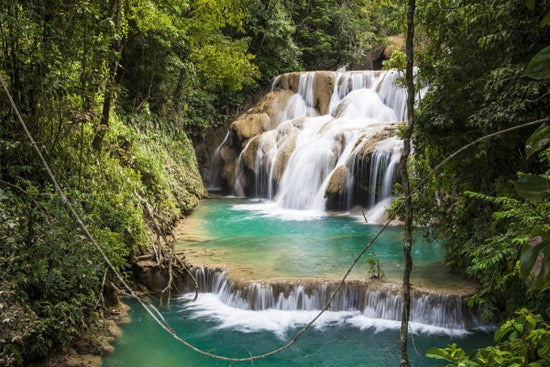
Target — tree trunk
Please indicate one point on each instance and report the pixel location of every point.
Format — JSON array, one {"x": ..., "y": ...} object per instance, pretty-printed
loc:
[
  {"x": 115, "y": 12},
  {"x": 406, "y": 292}
]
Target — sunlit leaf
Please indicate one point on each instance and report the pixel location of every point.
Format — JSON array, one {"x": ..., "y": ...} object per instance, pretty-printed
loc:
[
  {"x": 545, "y": 21},
  {"x": 533, "y": 187},
  {"x": 539, "y": 66},
  {"x": 538, "y": 140},
  {"x": 502, "y": 331},
  {"x": 535, "y": 262},
  {"x": 437, "y": 353}
]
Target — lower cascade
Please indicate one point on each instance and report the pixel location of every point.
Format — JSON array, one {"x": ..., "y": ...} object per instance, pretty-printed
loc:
[
  {"x": 317, "y": 141},
  {"x": 441, "y": 313}
]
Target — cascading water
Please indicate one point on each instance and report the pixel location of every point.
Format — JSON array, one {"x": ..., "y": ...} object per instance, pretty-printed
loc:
[
  {"x": 442, "y": 313},
  {"x": 382, "y": 169},
  {"x": 215, "y": 183},
  {"x": 325, "y": 143},
  {"x": 309, "y": 154}
]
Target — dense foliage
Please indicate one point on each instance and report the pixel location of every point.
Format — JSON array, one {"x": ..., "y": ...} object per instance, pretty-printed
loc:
[
  {"x": 474, "y": 60},
  {"x": 197, "y": 61},
  {"x": 57, "y": 63},
  {"x": 521, "y": 341}
]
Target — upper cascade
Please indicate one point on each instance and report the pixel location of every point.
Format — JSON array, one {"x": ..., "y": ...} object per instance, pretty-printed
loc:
[{"x": 318, "y": 141}]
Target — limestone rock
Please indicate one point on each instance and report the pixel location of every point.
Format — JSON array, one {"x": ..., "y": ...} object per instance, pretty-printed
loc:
[
  {"x": 249, "y": 125},
  {"x": 322, "y": 90},
  {"x": 229, "y": 158},
  {"x": 249, "y": 154},
  {"x": 369, "y": 146},
  {"x": 273, "y": 104},
  {"x": 285, "y": 151},
  {"x": 339, "y": 181},
  {"x": 288, "y": 81},
  {"x": 337, "y": 189}
]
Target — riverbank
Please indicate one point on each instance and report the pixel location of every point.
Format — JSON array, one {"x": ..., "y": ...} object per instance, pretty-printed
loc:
[{"x": 89, "y": 350}]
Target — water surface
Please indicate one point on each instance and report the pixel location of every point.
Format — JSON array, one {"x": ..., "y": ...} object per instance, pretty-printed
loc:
[
  {"x": 335, "y": 342},
  {"x": 257, "y": 240}
]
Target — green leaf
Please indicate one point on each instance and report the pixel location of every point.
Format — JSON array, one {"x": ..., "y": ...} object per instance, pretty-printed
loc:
[
  {"x": 538, "y": 140},
  {"x": 539, "y": 66},
  {"x": 530, "y": 319},
  {"x": 532, "y": 187},
  {"x": 501, "y": 332},
  {"x": 437, "y": 353},
  {"x": 530, "y": 4},
  {"x": 535, "y": 262},
  {"x": 545, "y": 21}
]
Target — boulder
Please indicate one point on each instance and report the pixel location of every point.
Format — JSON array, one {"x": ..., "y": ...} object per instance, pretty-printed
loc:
[
  {"x": 337, "y": 189},
  {"x": 339, "y": 181},
  {"x": 249, "y": 125},
  {"x": 322, "y": 90},
  {"x": 273, "y": 104}
]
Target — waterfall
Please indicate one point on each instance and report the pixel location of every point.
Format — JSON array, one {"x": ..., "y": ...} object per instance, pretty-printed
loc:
[
  {"x": 216, "y": 166},
  {"x": 301, "y": 104},
  {"x": 302, "y": 157},
  {"x": 327, "y": 142},
  {"x": 384, "y": 163},
  {"x": 346, "y": 82},
  {"x": 443, "y": 311}
]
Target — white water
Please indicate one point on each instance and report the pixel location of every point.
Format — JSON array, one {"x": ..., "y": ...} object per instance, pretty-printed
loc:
[
  {"x": 314, "y": 147},
  {"x": 280, "y": 322},
  {"x": 279, "y": 307},
  {"x": 271, "y": 209},
  {"x": 384, "y": 164},
  {"x": 216, "y": 167}
]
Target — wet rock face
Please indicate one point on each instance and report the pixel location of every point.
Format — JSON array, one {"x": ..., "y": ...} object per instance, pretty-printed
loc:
[
  {"x": 249, "y": 125},
  {"x": 337, "y": 189},
  {"x": 151, "y": 275},
  {"x": 273, "y": 104},
  {"x": 322, "y": 91},
  {"x": 322, "y": 87}
]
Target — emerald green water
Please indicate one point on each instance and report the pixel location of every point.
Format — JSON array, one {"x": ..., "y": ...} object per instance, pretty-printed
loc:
[
  {"x": 256, "y": 241},
  {"x": 144, "y": 344}
]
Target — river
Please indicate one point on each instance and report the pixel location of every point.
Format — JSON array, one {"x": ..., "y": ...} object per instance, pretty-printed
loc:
[{"x": 258, "y": 250}]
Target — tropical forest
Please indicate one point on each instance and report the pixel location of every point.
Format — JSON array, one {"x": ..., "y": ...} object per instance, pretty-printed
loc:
[{"x": 274, "y": 183}]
